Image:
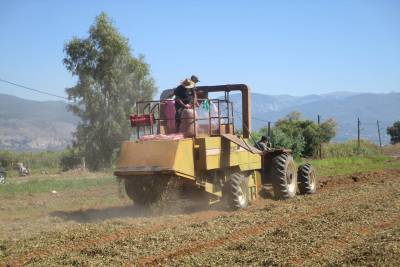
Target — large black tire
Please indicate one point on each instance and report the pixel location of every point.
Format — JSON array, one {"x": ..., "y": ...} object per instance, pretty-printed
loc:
[
  {"x": 307, "y": 179},
  {"x": 238, "y": 191},
  {"x": 146, "y": 190},
  {"x": 284, "y": 176}
]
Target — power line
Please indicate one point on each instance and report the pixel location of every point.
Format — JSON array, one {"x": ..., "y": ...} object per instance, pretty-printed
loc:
[
  {"x": 32, "y": 89},
  {"x": 254, "y": 118}
]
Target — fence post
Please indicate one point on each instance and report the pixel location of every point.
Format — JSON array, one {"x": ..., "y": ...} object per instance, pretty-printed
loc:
[
  {"x": 319, "y": 137},
  {"x": 272, "y": 138},
  {"x": 379, "y": 134},
  {"x": 358, "y": 133}
]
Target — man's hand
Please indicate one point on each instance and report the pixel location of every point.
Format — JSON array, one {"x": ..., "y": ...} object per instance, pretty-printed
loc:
[{"x": 188, "y": 106}]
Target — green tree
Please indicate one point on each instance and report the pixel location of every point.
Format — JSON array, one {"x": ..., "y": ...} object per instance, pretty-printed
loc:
[
  {"x": 327, "y": 130},
  {"x": 394, "y": 132},
  {"x": 110, "y": 80},
  {"x": 286, "y": 137},
  {"x": 311, "y": 134}
]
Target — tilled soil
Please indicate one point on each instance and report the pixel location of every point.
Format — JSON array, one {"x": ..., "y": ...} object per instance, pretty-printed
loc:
[{"x": 352, "y": 220}]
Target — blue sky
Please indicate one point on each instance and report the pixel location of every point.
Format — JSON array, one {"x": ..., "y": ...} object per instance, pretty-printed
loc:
[{"x": 276, "y": 47}]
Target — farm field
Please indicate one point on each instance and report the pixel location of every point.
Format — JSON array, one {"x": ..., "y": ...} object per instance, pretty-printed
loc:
[{"x": 82, "y": 220}]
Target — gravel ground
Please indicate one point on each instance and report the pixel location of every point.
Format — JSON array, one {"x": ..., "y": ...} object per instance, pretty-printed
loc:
[{"x": 353, "y": 220}]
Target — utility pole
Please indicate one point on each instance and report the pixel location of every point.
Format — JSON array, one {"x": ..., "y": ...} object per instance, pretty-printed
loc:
[
  {"x": 269, "y": 129},
  {"x": 379, "y": 134},
  {"x": 272, "y": 139},
  {"x": 319, "y": 137},
  {"x": 358, "y": 133}
]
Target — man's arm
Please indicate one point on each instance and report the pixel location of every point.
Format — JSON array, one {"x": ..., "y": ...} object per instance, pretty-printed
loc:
[
  {"x": 262, "y": 146},
  {"x": 180, "y": 102}
]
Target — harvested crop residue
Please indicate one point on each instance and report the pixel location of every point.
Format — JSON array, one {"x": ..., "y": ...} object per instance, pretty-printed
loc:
[{"x": 352, "y": 220}]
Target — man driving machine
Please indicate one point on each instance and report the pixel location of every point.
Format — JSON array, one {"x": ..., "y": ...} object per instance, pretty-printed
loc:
[{"x": 184, "y": 95}]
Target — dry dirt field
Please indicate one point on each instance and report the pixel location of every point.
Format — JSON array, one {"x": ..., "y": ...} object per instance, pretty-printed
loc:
[{"x": 353, "y": 220}]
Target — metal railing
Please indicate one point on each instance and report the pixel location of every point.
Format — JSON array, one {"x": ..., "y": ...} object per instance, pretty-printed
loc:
[{"x": 219, "y": 113}]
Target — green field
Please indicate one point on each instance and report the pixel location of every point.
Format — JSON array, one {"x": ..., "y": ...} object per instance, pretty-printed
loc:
[{"x": 40, "y": 185}]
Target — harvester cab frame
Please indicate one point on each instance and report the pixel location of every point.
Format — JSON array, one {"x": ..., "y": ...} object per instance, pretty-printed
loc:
[
  {"x": 205, "y": 155},
  {"x": 158, "y": 118}
]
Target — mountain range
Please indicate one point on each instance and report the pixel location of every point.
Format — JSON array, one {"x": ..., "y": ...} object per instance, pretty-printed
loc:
[
  {"x": 27, "y": 125},
  {"x": 346, "y": 108}
]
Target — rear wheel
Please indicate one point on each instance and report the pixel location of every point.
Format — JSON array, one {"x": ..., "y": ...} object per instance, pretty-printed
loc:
[
  {"x": 146, "y": 190},
  {"x": 307, "y": 179},
  {"x": 239, "y": 191},
  {"x": 284, "y": 176}
]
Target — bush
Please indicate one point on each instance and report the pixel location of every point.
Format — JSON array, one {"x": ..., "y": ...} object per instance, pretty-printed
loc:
[
  {"x": 7, "y": 158},
  {"x": 69, "y": 159}
]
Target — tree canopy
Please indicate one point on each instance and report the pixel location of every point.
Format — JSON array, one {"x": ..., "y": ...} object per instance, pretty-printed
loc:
[
  {"x": 301, "y": 136},
  {"x": 110, "y": 80},
  {"x": 394, "y": 132}
]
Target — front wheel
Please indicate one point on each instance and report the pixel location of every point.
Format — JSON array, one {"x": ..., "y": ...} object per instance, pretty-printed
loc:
[{"x": 284, "y": 176}]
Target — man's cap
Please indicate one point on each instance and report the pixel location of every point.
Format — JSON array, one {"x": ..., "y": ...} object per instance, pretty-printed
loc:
[
  {"x": 194, "y": 79},
  {"x": 264, "y": 137}
]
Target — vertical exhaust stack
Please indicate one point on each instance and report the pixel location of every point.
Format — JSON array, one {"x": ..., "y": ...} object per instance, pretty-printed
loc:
[{"x": 246, "y": 110}]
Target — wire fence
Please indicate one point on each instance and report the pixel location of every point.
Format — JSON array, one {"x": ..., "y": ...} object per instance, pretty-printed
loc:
[{"x": 374, "y": 131}]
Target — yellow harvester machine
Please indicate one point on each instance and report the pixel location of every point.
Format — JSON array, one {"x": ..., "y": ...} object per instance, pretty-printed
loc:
[{"x": 206, "y": 156}]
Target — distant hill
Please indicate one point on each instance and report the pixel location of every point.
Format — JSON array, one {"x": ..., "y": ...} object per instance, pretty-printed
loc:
[{"x": 27, "y": 125}]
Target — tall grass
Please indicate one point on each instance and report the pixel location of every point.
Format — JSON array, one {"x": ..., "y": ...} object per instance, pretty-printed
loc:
[
  {"x": 45, "y": 159},
  {"x": 35, "y": 161},
  {"x": 353, "y": 164},
  {"x": 392, "y": 150},
  {"x": 347, "y": 158},
  {"x": 350, "y": 149}
]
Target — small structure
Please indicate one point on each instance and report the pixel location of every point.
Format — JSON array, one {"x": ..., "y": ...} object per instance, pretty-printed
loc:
[{"x": 22, "y": 170}]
